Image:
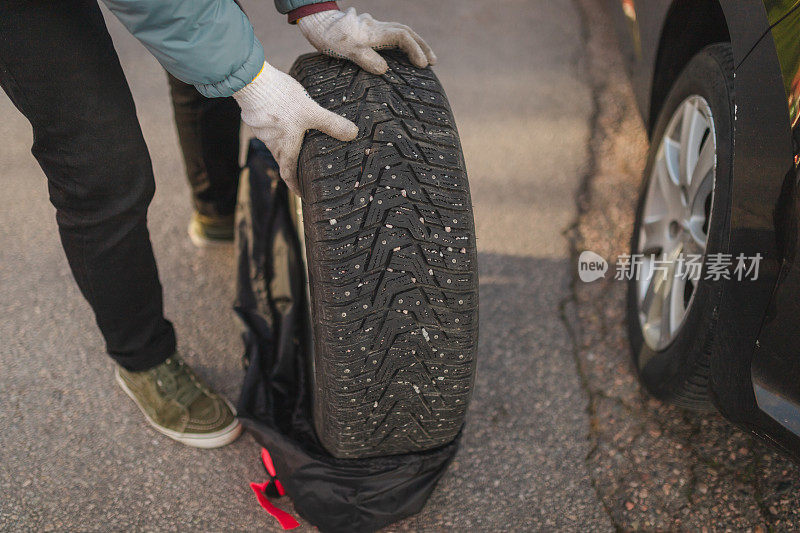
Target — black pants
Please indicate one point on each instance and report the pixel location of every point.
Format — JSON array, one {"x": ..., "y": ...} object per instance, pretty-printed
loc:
[
  {"x": 59, "y": 67},
  {"x": 208, "y": 130}
]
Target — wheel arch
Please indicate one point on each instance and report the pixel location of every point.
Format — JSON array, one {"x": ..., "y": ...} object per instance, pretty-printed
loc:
[{"x": 689, "y": 26}]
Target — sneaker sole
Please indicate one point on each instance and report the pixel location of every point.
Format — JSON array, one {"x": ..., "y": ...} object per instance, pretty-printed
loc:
[
  {"x": 203, "y": 242},
  {"x": 216, "y": 439}
]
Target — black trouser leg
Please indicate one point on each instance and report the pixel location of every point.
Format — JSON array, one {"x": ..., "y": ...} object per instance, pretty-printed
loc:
[
  {"x": 59, "y": 67},
  {"x": 208, "y": 129}
]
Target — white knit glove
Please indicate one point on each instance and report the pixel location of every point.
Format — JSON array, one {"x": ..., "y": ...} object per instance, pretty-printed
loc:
[
  {"x": 356, "y": 37},
  {"x": 280, "y": 111}
]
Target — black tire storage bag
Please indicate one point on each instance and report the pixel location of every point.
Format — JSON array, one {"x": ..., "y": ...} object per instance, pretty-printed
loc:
[{"x": 294, "y": 379}]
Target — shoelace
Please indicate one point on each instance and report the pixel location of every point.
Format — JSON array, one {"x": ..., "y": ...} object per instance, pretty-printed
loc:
[{"x": 176, "y": 379}]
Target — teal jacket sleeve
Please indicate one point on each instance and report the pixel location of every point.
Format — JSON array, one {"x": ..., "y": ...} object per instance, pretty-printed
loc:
[
  {"x": 207, "y": 43},
  {"x": 284, "y": 6}
]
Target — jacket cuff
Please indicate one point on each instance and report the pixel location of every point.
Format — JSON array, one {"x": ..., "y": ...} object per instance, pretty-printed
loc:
[
  {"x": 240, "y": 77},
  {"x": 251, "y": 96},
  {"x": 310, "y": 9}
]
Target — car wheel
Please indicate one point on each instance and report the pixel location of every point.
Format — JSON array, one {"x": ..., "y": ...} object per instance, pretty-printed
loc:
[
  {"x": 390, "y": 246},
  {"x": 682, "y": 215}
]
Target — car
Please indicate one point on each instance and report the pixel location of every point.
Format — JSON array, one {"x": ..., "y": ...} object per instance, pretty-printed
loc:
[{"x": 717, "y": 84}]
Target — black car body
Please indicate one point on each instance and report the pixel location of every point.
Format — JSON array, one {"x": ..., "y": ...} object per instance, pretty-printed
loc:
[{"x": 755, "y": 361}]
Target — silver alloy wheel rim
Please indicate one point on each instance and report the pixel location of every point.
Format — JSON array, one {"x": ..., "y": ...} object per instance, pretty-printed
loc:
[{"x": 675, "y": 220}]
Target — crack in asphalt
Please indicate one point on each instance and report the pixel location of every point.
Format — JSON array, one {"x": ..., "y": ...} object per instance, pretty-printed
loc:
[{"x": 571, "y": 234}]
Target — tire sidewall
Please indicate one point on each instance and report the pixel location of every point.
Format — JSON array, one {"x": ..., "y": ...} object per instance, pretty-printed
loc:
[{"x": 664, "y": 372}]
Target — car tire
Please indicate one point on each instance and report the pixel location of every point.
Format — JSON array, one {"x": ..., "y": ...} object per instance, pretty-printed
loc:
[
  {"x": 676, "y": 368},
  {"x": 390, "y": 248}
]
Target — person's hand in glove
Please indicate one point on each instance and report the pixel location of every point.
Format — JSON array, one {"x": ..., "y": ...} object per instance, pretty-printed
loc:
[
  {"x": 355, "y": 37},
  {"x": 280, "y": 111}
]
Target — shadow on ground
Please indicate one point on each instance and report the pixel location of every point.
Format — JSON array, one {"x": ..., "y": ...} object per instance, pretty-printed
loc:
[{"x": 523, "y": 452}]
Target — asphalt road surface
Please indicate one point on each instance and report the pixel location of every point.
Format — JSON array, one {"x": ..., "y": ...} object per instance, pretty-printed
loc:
[{"x": 528, "y": 90}]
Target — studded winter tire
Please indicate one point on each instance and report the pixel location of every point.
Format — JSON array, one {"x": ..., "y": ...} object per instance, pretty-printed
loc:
[{"x": 390, "y": 249}]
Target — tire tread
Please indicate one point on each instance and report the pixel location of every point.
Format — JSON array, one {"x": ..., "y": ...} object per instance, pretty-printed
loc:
[{"x": 397, "y": 376}]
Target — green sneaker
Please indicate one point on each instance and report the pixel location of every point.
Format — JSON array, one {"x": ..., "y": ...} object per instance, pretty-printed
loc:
[
  {"x": 205, "y": 231},
  {"x": 176, "y": 402}
]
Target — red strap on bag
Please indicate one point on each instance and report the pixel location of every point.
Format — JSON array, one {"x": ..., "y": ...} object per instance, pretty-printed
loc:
[
  {"x": 267, "y": 460},
  {"x": 286, "y": 520}
]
